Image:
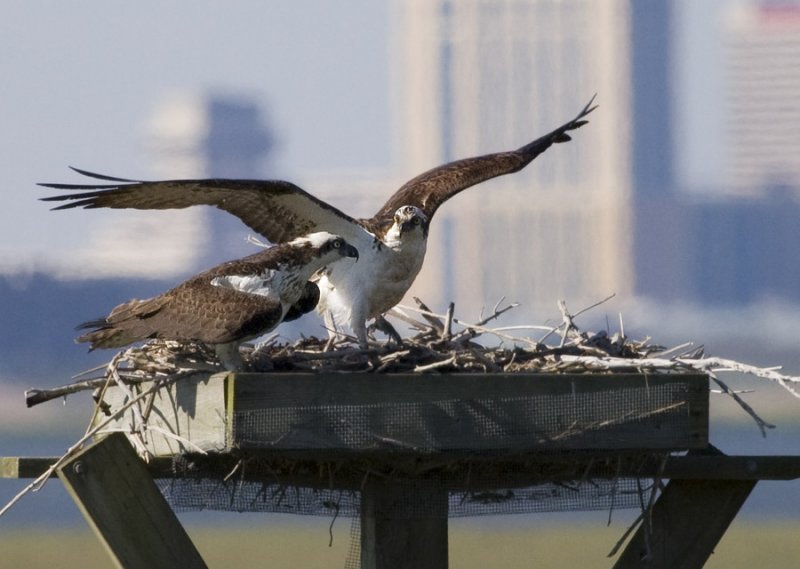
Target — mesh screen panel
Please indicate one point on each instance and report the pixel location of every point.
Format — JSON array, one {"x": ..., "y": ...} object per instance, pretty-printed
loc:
[
  {"x": 583, "y": 419},
  {"x": 548, "y": 450},
  {"x": 186, "y": 494}
]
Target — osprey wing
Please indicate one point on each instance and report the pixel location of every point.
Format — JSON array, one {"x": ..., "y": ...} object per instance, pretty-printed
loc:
[
  {"x": 194, "y": 310},
  {"x": 431, "y": 189},
  {"x": 278, "y": 210}
]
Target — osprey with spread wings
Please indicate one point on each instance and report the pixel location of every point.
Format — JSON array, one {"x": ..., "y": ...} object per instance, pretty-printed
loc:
[{"x": 391, "y": 243}]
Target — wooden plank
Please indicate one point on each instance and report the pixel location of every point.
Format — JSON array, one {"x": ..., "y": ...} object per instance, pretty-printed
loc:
[
  {"x": 192, "y": 409},
  {"x": 122, "y": 504},
  {"x": 732, "y": 468},
  {"x": 403, "y": 526},
  {"x": 426, "y": 413},
  {"x": 24, "y": 467},
  {"x": 259, "y": 390},
  {"x": 687, "y": 522},
  {"x": 350, "y": 474},
  {"x": 33, "y": 467},
  {"x": 416, "y": 413}
]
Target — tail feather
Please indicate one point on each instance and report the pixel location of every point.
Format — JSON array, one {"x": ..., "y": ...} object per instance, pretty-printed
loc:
[{"x": 106, "y": 337}]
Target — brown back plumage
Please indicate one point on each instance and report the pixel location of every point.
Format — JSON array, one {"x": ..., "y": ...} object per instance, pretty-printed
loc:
[{"x": 201, "y": 311}]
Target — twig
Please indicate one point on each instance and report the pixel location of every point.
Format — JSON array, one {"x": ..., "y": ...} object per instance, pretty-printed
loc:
[
  {"x": 447, "y": 332},
  {"x": 567, "y": 323},
  {"x": 705, "y": 365},
  {"x": 762, "y": 424},
  {"x": 721, "y": 364},
  {"x": 427, "y": 314},
  {"x": 449, "y": 361},
  {"x": 39, "y": 482}
]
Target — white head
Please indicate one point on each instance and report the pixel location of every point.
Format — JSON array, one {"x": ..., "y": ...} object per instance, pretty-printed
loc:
[
  {"x": 316, "y": 240},
  {"x": 325, "y": 246},
  {"x": 408, "y": 223}
]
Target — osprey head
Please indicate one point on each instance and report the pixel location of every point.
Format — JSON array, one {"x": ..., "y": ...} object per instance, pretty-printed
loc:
[
  {"x": 410, "y": 218},
  {"x": 326, "y": 245}
]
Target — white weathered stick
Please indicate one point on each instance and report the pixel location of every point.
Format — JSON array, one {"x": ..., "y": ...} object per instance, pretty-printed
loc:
[{"x": 39, "y": 482}]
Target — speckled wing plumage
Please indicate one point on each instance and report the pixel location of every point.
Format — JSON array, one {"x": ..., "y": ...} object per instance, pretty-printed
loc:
[
  {"x": 277, "y": 210},
  {"x": 431, "y": 189},
  {"x": 281, "y": 211},
  {"x": 194, "y": 310}
]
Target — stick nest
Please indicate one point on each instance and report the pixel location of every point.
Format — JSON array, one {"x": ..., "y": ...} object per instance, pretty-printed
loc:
[{"x": 440, "y": 343}]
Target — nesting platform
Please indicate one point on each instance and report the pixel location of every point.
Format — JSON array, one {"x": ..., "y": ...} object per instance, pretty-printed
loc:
[
  {"x": 407, "y": 451},
  {"x": 491, "y": 415}
]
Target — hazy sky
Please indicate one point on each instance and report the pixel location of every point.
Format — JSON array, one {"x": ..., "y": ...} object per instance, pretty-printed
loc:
[{"x": 80, "y": 78}]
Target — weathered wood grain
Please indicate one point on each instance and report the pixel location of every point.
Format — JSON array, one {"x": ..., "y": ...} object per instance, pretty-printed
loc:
[{"x": 117, "y": 496}]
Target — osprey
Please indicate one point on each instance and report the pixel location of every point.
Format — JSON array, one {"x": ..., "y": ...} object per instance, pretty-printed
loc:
[
  {"x": 392, "y": 243},
  {"x": 229, "y": 304}
]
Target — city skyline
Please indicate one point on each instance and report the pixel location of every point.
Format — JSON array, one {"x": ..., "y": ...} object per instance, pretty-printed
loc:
[
  {"x": 485, "y": 76},
  {"x": 535, "y": 107},
  {"x": 325, "y": 128}
]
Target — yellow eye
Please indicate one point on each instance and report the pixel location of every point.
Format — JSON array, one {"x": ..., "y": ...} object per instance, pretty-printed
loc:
[
  {"x": 337, "y": 244},
  {"x": 417, "y": 220}
]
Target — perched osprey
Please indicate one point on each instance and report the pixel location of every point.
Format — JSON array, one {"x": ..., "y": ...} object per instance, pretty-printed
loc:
[
  {"x": 231, "y": 303},
  {"x": 392, "y": 243}
]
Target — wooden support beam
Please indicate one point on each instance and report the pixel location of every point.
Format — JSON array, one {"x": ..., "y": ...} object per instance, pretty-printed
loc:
[
  {"x": 114, "y": 491},
  {"x": 721, "y": 467},
  {"x": 24, "y": 467},
  {"x": 691, "y": 467},
  {"x": 687, "y": 522},
  {"x": 403, "y": 526}
]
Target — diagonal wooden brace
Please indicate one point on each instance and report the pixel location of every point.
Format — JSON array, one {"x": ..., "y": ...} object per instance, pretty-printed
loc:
[
  {"x": 114, "y": 491},
  {"x": 686, "y": 523}
]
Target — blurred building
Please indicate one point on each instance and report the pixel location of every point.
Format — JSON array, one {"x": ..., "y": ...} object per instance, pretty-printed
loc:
[
  {"x": 763, "y": 87},
  {"x": 736, "y": 245},
  {"x": 604, "y": 213},
  {"x": 210, "y": 136},
  {"x": 479, "y": 76}
]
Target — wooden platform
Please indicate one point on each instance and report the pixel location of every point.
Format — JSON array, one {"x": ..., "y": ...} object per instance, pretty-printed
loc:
[
  {"x": 451, "y": 432},
  {"x": 321, "y": 415}
]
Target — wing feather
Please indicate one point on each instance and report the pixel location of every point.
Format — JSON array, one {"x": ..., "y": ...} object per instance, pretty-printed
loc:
[
  {"x": 431, "y": 189},
  {"x": 278, "y": 210},
  {"x": 193, "y": 310}
]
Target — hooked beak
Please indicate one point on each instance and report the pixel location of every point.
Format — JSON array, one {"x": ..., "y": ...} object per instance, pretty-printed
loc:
[{"x": 350, "y": 251}]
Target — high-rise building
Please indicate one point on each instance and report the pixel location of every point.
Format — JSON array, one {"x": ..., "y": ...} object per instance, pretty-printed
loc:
[
  {"x": 603, "y": 213},
  {"x": 763, "y": 87},
  {"x": 479, "y": 76},
  {"x": 204, "y": 136}
]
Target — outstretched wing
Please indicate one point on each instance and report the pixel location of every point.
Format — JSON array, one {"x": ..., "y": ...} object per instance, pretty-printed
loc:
[
  {"x": 278, "y": 210},
  {"x": 432, "y": 188}
]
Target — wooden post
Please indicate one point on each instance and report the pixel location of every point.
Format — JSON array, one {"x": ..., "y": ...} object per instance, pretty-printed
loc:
[
  {"x": 122, "y": 504},
  {"x": 687, "y": 522},
  {"x": 403, "y": 526}
]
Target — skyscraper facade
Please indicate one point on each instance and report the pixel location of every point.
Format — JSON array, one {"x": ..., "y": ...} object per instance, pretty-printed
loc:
[
  {"x": 479, "y": 76},
  {"x": 763, "y": 87}
]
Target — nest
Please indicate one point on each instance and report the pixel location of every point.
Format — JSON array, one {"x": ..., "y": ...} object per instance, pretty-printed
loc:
[{"x": 440, "y": 343}]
